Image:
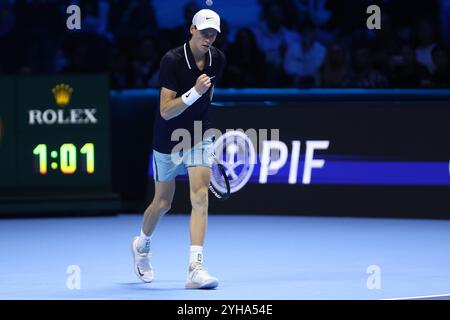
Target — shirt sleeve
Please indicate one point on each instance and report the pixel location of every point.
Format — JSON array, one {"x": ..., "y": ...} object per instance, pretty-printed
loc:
[{"x": 167, "y": 73}]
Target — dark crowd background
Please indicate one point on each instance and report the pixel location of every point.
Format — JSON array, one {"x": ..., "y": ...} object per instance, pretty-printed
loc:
[{"x": 297, "y": 43}]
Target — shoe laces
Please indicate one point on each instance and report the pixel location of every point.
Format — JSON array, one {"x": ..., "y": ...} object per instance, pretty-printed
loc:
[
  {"x": 147, "y": 245},
  {"x": 145, "y": 249},
  {"x": 196, "y": 267}
]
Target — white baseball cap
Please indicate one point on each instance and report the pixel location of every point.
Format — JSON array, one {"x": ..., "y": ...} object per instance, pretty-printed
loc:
[{"x": 205, "y": 19}]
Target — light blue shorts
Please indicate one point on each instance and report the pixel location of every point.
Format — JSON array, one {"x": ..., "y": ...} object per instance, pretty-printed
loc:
[{"x": 166, "y": 166}]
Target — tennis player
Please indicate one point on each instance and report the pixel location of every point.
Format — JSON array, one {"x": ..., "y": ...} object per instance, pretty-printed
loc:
[{"x": 187, "y": 74}]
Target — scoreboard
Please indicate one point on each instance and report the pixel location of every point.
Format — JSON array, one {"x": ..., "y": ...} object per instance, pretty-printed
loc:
[{"x": 54, "y": 144}]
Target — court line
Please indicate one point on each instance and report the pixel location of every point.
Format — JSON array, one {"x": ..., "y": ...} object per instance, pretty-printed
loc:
[{"x": 420, "y": 297}]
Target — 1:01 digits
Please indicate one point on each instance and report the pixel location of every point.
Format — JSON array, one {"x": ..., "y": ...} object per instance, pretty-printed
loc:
[{"x": 67, "y": 155}]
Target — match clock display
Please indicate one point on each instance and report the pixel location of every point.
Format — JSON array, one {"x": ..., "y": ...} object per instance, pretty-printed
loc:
[
  {"x": 67, "y": 155},
  {"x": 72, "y": 160},
  {"x": 55, "y": 136}
]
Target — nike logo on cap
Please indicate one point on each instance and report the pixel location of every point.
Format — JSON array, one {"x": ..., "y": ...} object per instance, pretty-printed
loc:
[{"x": 207, "y": 18}]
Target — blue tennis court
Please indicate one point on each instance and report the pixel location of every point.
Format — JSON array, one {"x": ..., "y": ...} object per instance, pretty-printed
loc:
[{"x": 254, "y": 257}]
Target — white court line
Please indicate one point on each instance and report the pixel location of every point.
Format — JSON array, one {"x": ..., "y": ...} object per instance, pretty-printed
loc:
[{"x": 420, "y": 297}]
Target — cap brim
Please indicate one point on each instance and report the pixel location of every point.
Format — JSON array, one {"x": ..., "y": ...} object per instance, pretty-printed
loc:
[{"x": 207, "y": 26}]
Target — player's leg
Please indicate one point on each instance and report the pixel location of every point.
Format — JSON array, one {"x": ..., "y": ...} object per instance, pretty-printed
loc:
[
  {"x": 199, "y": 162},
  {"x": 199, "y": 177},
  {"x": 161, "y": 203},
  {"x": 198, "y": 277},
  {"x": 165, "y": 171}
]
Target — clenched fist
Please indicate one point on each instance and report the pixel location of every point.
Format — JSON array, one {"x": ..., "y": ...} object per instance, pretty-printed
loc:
[{"x": 203, "y": 84}]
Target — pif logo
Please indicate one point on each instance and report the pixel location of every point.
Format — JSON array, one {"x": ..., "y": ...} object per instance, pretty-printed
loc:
[{"x": 62, "y": 93}]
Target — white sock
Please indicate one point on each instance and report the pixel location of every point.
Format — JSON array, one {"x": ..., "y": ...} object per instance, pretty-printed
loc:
[
  {"x": 196, "y": 255},
  {"x": 143, "y": 242}
]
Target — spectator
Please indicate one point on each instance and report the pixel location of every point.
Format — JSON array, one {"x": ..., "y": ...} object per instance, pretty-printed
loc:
[
  {"x": 222, "y": 42},
  {"x": 181, "y": 33},
  {"x": 144, "y": 65},
  {"x": 117, "y": 9},
  {"x": 245, "y": 62},
  {"x": 304, "y": 58},
  {"x": 406, "y": 71},
  {"x": 301, "y": 11},
  {"x": 86, "y": 52},
  {"x": 117, "y": 66},
  {"x": 313, "y": 10},
  {"x": 271, "y": 36},
  {"x": 425, "y": 43},
  {"x": 335, "y": 72},
  {"x": 347, "y": 15},
  {"x": 167, "y": 40},
  {"x": 440, "y": 78},
  {"x": 95, "y": 17},
  {"x": 138, "y": 19},
  {"x": 273, "y": 39},
  {"x": 121, "y": 37},
  {"x": 383, "y": 42},
  {"x": 363, "y": 73}
]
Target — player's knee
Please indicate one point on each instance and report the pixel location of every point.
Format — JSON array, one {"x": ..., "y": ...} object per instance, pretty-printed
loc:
[
  {"x": 199, "y": 198},
  {"x": 162, "y": 206}
]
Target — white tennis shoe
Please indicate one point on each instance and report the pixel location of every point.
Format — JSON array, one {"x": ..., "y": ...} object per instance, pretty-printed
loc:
[
  {"x": 199, "y": 278},
  {"x": 141, "y": 261}
]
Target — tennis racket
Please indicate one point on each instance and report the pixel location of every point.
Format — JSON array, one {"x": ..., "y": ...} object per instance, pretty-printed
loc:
[
  {"x": 220, "y": 175},
  {"x": 239, "y": 158}
]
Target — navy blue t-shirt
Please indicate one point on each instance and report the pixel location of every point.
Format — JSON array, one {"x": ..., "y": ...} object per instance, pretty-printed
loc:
[{"x": 179, "y": 73}]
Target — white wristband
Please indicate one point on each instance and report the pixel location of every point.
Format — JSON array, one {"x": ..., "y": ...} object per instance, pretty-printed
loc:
[{"x": 190, "y": 96}]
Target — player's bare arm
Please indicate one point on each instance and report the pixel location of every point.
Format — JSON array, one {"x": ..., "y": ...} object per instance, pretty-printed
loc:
[{"x": 170, "y": 106}]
